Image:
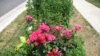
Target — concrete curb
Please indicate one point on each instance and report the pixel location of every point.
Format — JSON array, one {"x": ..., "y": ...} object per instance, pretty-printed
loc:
[
  {"x": 90, "y": 12},
  {"x": 11, "y": 16}
]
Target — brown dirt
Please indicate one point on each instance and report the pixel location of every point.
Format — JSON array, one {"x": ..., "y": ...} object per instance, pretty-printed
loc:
[{"x": 90, "y": 37}]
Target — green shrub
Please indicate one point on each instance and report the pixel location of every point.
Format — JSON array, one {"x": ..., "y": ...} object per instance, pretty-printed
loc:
[
  {"x": 79, "y": 49},
  {"x": 51, "y": 11}
]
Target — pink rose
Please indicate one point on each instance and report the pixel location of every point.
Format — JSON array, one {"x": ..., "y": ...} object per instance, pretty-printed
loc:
[
  {"x": 33, "y": 36},
  {"x": 38, "y": 31},
  {"x": 67, "y": 33},
  {"x": 50, "y": 37},
  {"x": 43, "y": 41},
  {"x": 44, "y": 27},
  {"x": 77, "y": 27},
  {"x": 57, "y": 28},
  {"x": 41, "y": 38},
  {"x": 28, "y": 18}
]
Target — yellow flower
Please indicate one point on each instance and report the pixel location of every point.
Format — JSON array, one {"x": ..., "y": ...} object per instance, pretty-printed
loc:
[{"x": 23, "y": 41}]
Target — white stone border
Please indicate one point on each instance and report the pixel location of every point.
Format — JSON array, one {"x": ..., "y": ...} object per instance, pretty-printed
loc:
[
  {"x": 90, "y": 12},
  {"x": 11, "y": 16}
]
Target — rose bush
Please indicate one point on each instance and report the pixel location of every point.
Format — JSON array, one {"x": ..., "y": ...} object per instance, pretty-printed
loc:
[
  {"x": 44, "y": 39},
  {"x": 48, "y": 40}
]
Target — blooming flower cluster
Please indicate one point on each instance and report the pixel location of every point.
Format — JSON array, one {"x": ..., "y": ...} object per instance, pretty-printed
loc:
[
  {"x": 28, "y": 18},
  {"x": 45, "y": 34},
  {"x": 54, "y": 52},
  {"x": 68, "y": 32},
  {"x": 41, "y": 35}
]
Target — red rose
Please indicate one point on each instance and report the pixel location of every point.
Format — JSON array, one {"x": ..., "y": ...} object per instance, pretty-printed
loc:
[{"x": 54, "y": 52}]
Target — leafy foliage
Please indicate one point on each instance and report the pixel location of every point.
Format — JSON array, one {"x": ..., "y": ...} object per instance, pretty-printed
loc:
[
  {"x": 68, "y": 47},
  {"x": 51, "y": 11},
  {"x": 78, "y": 50}
]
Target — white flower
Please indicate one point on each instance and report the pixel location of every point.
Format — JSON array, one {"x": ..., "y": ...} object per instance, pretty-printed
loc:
[{"x": 29, "y": 28}]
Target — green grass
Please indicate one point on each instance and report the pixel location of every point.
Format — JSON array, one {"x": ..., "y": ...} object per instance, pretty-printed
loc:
[{"x": 95, "y": 2}]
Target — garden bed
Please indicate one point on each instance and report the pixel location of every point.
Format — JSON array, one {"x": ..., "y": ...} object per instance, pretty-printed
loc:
[
  {"x": 13, "y": 41},
  {"x": 89, "y": 35},
  {"x": 49, "y": 31}
]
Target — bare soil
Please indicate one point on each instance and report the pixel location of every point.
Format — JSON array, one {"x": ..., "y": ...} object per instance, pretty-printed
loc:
[{"x": 90, "y": 37}]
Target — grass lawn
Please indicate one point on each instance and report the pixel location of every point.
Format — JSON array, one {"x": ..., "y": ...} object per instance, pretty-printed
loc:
[
  {"x": 8, "y": 37},
  {"x": 95, "y": 2}
]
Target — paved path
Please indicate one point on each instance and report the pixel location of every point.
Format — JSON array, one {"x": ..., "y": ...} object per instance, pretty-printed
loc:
[
  {"x": 90, "y": 12},
  {"x": 7, "y": 5},
  {"x": 11, "y": 15}
]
